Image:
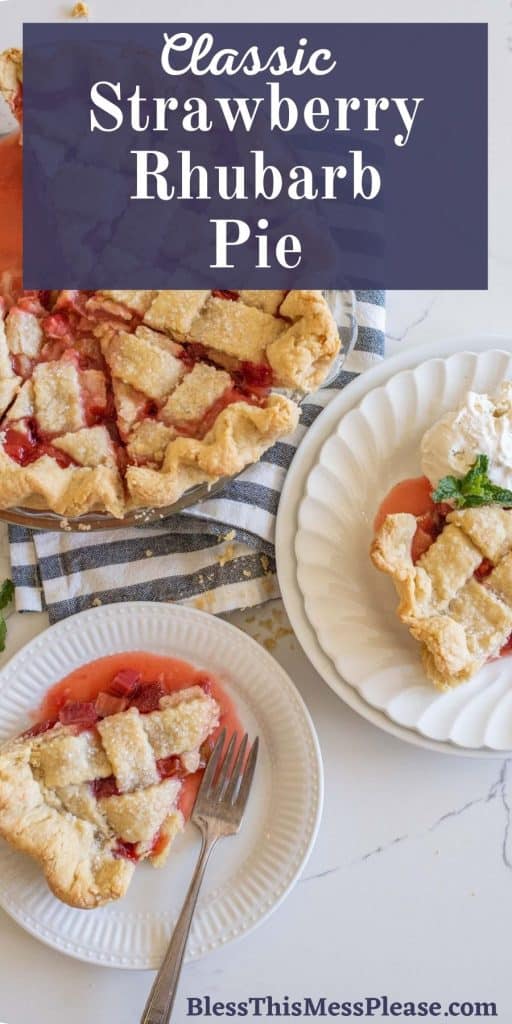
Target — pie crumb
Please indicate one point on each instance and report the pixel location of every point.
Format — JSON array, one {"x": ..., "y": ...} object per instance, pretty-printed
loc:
[
  {"x": 264, "y": 561},
  {"x": 271, "y": 641},
  {"x": 80, "y": 10},
  {"x": 148, "y": 553},
  {"x": 96, "y": 602},
  {"x": 205, "y": 601},
  {"x": 271, "y": 624},
  {"x": 230, "y": 535},
  {"x": 228, "y": 553}
]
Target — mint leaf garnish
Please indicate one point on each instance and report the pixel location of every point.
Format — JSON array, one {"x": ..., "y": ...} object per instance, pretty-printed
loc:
[
  {"x": 6, "y": 593},
  {"x": 6, "y": 596},
  {"x": 448, "y": 489},
  {"x": 474, "y": 489}
]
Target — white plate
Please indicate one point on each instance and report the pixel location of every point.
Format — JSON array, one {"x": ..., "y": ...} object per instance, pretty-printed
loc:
[
  {"x": 287, "y": 527},
  {"x": 350, "y": 605},
  {"x": 249, "y": 874}
]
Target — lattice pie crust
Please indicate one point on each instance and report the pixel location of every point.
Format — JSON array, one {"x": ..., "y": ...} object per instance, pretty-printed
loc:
[{"x": 460, "y": 620}]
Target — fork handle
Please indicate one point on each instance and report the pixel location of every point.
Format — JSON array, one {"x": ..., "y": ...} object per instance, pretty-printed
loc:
[{"x": 161, "y": 998}]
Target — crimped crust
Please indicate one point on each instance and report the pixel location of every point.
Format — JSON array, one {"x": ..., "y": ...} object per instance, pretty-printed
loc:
[
  {"x": 69, "y": 491},
  {"x": 79, "y": 870},
  {"x": 459, "y": 620},
  {"x": 11, "y": 78},
  {"x": 49, "y": 810},
  {"x": 302, "y": 354},
  {"x": 240, "y": 435}
]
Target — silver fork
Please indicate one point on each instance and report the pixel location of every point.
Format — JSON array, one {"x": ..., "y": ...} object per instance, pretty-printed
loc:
[{"x": 218, "y": 812}]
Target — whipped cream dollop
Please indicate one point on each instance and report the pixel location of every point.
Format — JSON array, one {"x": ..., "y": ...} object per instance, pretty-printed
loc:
[{"x": 482, "y": 425}]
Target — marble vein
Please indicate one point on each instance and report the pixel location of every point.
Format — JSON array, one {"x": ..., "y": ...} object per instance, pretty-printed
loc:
[
  {"x": 402, "y": 335},
  {"x": 500, "y": 790}
]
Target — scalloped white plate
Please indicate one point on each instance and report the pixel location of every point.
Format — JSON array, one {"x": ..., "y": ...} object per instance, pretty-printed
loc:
[
  {"x": 350, "y": 606},
  {"x": 250, "y": 874}
]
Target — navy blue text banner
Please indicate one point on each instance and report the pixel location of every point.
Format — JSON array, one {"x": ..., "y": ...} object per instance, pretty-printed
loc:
[{"x": 255, "y": 156}]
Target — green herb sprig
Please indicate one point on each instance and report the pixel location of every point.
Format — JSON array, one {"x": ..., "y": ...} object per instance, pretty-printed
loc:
[
  {"x": 6, "y": 596},
  {"x": 473, "y": 489}
]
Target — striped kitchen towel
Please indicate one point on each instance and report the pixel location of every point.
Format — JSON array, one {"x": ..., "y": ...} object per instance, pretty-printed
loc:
[{"x": 217, "y": 555}]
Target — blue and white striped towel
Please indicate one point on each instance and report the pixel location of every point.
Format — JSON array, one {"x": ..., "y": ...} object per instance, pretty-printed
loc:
[{"x": 218, "y": 555}]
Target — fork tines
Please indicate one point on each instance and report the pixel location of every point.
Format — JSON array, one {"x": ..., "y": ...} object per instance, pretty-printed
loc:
[{"x": 227, "y": 779}]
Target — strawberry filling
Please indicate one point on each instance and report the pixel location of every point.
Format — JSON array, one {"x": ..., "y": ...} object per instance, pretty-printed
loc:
[
  {"x": 250, "y": 376},
  {"x": 39, "y": 728},
  {"x": 101, "y": 309},
  {"x": 17, "y": 105},
  {"x": 98, "y": 406},
  {"x": 105, "y": 787},
  {"x": 247, "y": 376},
  {"x": 34, "y": 302},
  {"x": 198, "y": 428},
  {"x": 57, "y": 326},
  {"x": 169, "y": 767},
  {"x": 428, "y": 528},
  {"x": 80, "y": 713},
  {"x": 125, "y": 683},
  {"x": 206, "y": 751},
  {"x": 106, "y": 704},
  {"x": 73, "y": 301},
  {"x": 159, "y": 844},
  {"x": 130, "y": 850},
  {"x": 126, "y": 850},
  {"x": 125, "y": 691},
  {"x": 507, "y": 647},
  {"x": 484, "y": 569},
  {"x": 23, "y": 444},
  {"x": 22, "y": 365},
  {"x": 147, "y": 698},
  {"x": 220, "y": 294},
  {"x": 415, "y": 497},
  {"x": 192, "y": 353}
]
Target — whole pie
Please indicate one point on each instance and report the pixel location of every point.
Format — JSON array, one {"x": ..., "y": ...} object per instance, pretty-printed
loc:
[
  {"x": 92, "y": 794},
  {"x": 112, "y": 400}
]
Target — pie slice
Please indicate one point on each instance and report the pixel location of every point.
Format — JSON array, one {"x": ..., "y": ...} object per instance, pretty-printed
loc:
[
  {"x": 456, "y": 598},
  {"x": 121, "y": 399},
  {"x": 94, "y": 793}
]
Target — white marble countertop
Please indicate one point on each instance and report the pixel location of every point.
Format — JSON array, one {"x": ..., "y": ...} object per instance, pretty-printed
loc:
[{"x": 409, "y": 886}]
